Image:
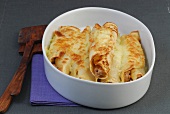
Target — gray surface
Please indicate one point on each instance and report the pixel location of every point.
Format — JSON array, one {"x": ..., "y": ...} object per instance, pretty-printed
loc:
[{"x": 16, "y": 14}]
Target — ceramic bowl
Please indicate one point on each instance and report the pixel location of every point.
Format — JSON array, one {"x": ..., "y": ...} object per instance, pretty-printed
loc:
[{"x": 96, "y": 94}]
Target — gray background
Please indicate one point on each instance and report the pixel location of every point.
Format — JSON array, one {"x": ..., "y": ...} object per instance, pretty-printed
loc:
[{"x": 16, "y": 14}]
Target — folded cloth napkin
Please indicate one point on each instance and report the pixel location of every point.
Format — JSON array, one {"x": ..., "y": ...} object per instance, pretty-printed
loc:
[{"x": 41, "y": 91}]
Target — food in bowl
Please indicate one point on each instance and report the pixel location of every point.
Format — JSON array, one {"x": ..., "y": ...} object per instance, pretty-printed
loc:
[
  {"x": 99, "y": 55},
  {"x": 96, "y": 94}
]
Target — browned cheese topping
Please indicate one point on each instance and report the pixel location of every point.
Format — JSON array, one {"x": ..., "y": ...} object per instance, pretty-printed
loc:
[{"x": 97, "y": 54}]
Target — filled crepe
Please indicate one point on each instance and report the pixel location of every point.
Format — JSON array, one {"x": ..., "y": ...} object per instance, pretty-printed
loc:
[
  {"x": 99, "y": 55},
  {"x": 103, "y": 39},
  {"x": 133, "y": 59},
  {"x": 68, "y": 51}
]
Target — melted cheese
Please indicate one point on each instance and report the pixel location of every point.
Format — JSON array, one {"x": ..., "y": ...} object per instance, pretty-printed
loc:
[
  {"x": 68, "y": 51},
  {"x": 133, "y": 59},
  {"x": 82, "y": 54},
  {"x": 103, "y": 39}
]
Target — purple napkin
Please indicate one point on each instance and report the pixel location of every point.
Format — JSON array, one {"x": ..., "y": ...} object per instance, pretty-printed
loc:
[{"x": 41, "y": 91}]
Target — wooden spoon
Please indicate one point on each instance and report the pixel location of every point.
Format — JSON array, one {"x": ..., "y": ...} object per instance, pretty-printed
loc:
[{"x": 28, "y": 39}]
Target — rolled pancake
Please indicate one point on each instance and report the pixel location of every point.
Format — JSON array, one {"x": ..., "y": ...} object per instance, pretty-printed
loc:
[
  {"x": 98, "y": 55},
  {"x": 133, "y": 59},
  {"x": 68, "y": 51},
  {"x": 115, "y": 64},
  {"x": 61, "y": 41},
  {"x": 79, "y": 54},
  {"x": 103, "y": 39}
]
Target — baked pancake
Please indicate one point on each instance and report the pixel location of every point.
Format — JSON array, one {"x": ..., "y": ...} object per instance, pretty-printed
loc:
[
  {"x": 133, "y": 59},
  {"x": 103, "y": 39},
  {"x": 68, "y": 51},
  {"x": 99, "y": 55}
]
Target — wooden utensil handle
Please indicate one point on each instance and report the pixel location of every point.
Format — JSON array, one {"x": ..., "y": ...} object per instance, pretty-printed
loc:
[
  {"x": 13, "y": 88},
  {"x": 5, "y": 101},
  {"x": 15, "y": 85}
]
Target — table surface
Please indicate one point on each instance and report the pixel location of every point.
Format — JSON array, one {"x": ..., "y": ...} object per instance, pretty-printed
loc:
[{"x": 16, "y": 14}]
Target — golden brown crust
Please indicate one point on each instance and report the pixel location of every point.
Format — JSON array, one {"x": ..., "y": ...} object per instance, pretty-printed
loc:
[
  {"x": 133, "y": 58},
  {"x": 97, "y": 55},
  {"x": 69, "y": 51},
  {"x": 102, "y": 40}
]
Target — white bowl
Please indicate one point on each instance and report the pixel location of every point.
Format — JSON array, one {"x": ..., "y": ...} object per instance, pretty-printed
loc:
[{"x": 95, "y": 94}]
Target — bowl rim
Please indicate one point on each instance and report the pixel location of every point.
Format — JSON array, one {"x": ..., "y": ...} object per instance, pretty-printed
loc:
[{"x": 91, "y": 82}]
